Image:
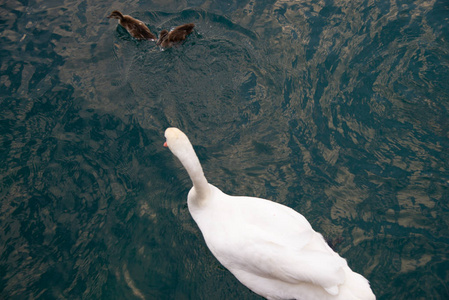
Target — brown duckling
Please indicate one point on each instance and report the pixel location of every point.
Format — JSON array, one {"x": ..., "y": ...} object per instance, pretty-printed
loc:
[
  {"x": 178, "y": 34},
  {"x": 135, "y": 27}
]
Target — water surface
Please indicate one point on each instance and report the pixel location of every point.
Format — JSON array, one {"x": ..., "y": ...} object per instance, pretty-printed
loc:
[{"x": 336, "y": 109}]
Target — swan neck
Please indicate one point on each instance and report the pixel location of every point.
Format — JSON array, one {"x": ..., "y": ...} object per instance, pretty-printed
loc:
[{"x": 192, "y": 164}]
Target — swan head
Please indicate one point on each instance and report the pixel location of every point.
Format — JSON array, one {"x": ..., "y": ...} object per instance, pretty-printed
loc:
[{"x": 177, "y": 142}]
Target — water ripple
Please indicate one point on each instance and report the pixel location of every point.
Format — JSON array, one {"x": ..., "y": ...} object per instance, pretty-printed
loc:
[{"x": 337, "y": 109}]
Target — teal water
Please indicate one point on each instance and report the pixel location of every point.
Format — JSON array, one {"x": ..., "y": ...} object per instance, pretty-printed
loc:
[{"x": 338, "y": 109}]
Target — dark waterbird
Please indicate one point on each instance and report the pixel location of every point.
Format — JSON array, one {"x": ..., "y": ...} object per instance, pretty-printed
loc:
[
  {"x": 178, "y": 34},
  {"x": 135, "y": 27}
]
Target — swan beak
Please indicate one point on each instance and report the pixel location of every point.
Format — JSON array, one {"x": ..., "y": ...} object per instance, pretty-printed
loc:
[{"x": 165, "y": 144}]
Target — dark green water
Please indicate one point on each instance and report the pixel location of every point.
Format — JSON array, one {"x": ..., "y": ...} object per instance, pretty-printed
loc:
[{"x": 336, "y": 109}]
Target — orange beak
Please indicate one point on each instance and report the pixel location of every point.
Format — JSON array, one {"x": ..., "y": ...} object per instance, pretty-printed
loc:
[{"x": 165, "y": 144}]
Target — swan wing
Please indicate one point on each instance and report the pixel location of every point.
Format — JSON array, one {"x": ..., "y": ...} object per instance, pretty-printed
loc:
[
  {"x": 272, "y": 260},
  {"x": 260, "y": 238}
]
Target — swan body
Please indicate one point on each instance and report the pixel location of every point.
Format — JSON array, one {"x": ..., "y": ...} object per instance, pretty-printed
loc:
[
  {"x": 178, "y": 34},
  {"x": 136, "y": 28},
  {"x": 268, "y": 247}
]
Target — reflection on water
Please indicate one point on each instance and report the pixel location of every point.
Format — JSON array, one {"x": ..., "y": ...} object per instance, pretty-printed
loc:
[{"x": 336, "y": 109}]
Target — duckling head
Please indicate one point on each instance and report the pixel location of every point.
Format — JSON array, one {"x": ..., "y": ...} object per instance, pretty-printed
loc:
[{"x": 116, "y": 15}]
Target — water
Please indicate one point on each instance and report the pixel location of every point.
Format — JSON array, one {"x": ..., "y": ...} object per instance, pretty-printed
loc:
[{"x": 336, "y": 109}]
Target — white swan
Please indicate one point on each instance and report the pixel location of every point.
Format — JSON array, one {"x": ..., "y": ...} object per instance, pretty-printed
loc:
[{"x": 269, "y": 247}]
